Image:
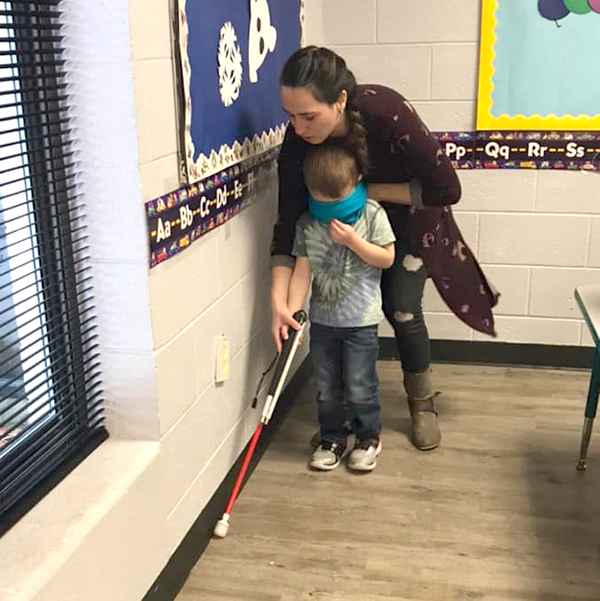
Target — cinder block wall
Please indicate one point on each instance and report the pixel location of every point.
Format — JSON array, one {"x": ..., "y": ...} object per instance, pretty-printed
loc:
[{"x": 537, "y": 233}]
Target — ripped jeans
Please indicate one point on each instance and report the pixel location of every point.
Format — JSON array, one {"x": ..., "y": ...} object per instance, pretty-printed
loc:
[{"x": 402, "y": 290}]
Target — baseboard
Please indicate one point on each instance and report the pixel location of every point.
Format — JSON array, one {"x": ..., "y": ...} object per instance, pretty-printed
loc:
[
  {"x": 500, "y": 353},
  {"x": 173, "y": 576}
]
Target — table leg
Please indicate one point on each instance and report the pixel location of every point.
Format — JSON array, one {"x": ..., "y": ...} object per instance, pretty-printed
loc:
[{"x": 590, "y": 411}]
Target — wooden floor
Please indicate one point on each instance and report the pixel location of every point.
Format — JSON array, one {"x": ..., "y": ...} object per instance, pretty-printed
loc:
[{"x": 498, "y": 512}]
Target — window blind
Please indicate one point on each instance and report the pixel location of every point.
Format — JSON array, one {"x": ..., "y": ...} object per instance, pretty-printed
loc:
[{"x": 50, "y": 389}]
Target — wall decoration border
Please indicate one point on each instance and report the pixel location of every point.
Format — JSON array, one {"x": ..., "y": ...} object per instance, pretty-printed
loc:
[
  {"x": 194, "y": 210},
  {"x": 571, "y": 151},
  {"x": 179, "y": 218}
]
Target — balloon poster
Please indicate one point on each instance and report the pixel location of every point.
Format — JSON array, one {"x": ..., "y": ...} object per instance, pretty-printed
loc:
[
  {"x": 230, "y": 54},
  {"x": 539, "y": 67}
]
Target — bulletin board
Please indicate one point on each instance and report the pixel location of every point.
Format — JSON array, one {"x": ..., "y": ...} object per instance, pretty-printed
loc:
[
  {"x": 539, "y": 67},
  {"x": 230, "y": 55}
]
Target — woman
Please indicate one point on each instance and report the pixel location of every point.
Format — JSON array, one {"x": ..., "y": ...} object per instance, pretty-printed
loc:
[{"x": 409, "y": 174}]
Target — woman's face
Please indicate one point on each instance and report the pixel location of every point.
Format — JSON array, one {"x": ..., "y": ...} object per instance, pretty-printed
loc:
[{"x": 314, "y": 121}]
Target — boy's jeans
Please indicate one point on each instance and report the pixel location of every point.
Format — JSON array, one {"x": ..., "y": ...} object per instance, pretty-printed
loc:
[{"x": 344, "y": 362}]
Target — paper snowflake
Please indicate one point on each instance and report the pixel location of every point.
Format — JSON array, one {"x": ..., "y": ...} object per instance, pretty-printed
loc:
[{"x": 230, "y": 65}]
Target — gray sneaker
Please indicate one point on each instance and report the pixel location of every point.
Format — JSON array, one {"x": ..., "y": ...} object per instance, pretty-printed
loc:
[
  {"x": 364, "y": 455},
  {"x": 327, "y": 456}
]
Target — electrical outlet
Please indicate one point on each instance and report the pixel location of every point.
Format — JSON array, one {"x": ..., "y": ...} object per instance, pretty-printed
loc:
[{"x": 222, "y": 372}]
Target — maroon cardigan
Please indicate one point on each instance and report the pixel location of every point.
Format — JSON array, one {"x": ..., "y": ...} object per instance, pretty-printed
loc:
[{"x": 401, "y": 150}]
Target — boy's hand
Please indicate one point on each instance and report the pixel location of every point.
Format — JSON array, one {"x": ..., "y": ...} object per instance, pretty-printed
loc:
[
  {"x": 342, "y": 233},
  {"x": 282, "y": 320}
]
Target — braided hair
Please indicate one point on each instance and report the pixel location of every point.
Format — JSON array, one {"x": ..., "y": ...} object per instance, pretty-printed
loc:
[{"x": 326, "y": 75}]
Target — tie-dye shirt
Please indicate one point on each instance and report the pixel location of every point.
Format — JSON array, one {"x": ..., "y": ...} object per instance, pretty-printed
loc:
[{"x": 346, "y": 292}]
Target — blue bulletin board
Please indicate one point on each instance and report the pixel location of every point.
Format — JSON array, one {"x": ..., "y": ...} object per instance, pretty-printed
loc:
[
  {"x": 230, "y": 56},
  {"x": 539, "y": 67}
]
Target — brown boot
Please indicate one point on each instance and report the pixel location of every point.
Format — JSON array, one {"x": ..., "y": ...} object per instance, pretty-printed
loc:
[{"x": 426, "y": 432}]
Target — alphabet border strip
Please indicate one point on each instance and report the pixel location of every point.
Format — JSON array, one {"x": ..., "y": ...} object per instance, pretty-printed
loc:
[
  {"x": 577, "y": 151},
  {"x": 179, "y": 218}
]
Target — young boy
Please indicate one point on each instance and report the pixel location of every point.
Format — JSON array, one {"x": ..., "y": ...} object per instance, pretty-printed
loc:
[{"x": 343, "y": 242}]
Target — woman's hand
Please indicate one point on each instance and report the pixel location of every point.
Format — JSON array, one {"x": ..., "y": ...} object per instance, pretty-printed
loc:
[
  {"x": 342, "y": 233},
  {"x": 282, "y": 320}
]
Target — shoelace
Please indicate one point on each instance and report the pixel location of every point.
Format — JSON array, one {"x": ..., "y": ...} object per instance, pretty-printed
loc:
[{"x": 334, "y": 447}]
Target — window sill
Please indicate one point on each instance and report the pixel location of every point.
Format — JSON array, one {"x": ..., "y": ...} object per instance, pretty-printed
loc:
[{"x": 70, "y": 512}]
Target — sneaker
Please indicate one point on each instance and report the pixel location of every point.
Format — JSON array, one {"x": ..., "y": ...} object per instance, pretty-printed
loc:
[
  {"x": 364, "y": 455},
  {"x": 327, "y": 456}
]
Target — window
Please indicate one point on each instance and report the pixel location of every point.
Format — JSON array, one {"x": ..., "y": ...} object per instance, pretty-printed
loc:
[{"x": 50, "y": 396}]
